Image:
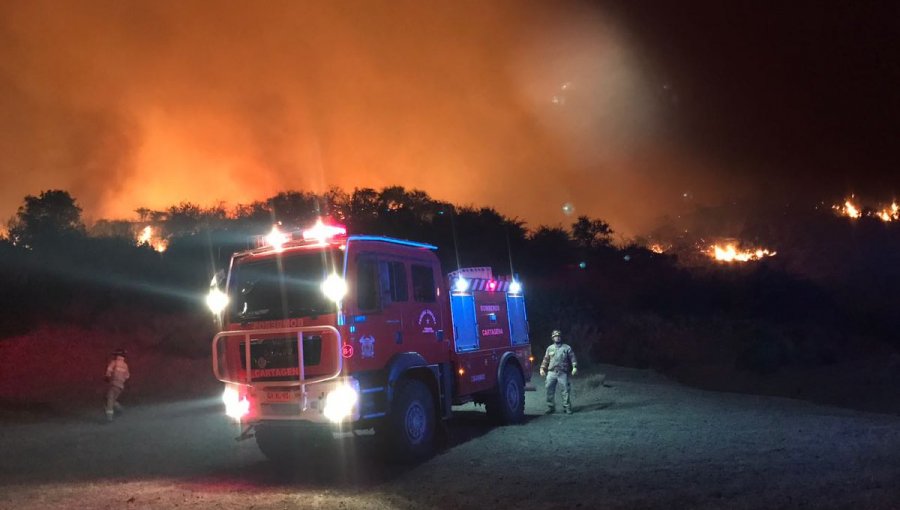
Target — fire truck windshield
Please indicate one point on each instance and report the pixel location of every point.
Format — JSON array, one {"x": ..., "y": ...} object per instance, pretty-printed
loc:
[{"x": 282, "y": 287}]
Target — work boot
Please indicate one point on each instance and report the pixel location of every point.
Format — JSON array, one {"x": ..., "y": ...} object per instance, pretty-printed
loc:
[
  {"x": 550, "y": 411},
  {"x": 568, "y": 411},
  {"x": 109, "y": 417}
]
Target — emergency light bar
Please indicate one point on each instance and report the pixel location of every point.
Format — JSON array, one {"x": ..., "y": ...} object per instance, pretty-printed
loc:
[
  {"x": 277, "y": 239},
  {"x": 460, "y": 285},
  {"x": 321, "y": 232}
]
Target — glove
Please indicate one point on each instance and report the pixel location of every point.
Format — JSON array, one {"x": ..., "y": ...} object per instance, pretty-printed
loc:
[
  {"x": 574, "y": 371},
  {"x": 543, "y": 372}
]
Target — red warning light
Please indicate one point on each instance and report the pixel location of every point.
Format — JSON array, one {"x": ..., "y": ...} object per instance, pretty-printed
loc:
[
  {"x": 492, "y": 285},
  {"x": 347, "y": 351},
  {"x": 322, "y": 232}
]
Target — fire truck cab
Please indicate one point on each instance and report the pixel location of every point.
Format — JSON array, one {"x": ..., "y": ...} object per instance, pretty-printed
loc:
[{"x": 325, "y": 329}]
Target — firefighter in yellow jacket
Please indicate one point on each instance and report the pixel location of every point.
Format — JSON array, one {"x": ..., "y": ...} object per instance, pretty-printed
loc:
[
  {"x": 559, "y": 362},
  {"x": 116, "y": 375}
]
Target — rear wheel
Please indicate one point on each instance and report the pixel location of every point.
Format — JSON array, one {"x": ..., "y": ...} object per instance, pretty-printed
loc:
[
  {"x": 507, "y": 405},
  {"x": 410, "y": 426}
]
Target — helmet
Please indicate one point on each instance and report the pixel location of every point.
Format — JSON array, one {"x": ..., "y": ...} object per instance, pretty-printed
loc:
[
  {"x": 120, "y": 352},
  {"x": 556, "y": 333}
]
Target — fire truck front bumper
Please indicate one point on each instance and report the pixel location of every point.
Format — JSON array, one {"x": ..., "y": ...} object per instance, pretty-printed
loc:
[{"x": 334, "y": 402}]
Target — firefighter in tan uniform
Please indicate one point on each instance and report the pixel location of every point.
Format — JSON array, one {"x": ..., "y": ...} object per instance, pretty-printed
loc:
[
  {"x": 116, "y": 375},
  {"x": 559, "y": 362}
]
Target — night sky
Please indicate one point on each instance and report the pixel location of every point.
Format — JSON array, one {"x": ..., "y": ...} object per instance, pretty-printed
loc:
[{"x": 627, "y": 110}]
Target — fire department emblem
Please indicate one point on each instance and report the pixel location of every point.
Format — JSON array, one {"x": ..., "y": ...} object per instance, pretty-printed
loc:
[
  {"x": 261, "y": 362},
  {"x": 427, "y": 321},
  {"x": 367, "y": 346}
]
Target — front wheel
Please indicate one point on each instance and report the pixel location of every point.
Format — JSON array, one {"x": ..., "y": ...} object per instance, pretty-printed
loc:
[
  {"x": 507, "y": 405},
  {"x": 411, "y": 425}
]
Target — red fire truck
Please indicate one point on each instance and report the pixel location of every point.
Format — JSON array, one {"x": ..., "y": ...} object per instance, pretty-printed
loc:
[{"x": 359, "y": 332}]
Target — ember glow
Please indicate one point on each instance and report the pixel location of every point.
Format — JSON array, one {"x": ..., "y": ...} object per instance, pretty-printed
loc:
[
  {"x": 730, "y": 252},
  {"x": 150, "y": 238},
  {"x": 658, "y": 248}
]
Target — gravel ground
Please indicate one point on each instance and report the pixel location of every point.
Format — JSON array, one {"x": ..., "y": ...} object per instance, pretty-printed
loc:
[{"x": 640, "y": 442}]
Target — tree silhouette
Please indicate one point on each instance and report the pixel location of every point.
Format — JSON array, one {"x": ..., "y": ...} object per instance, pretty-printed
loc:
[
  {"x": 294, "y": 208},
  {"x": 549, "y": 249},
  {"x": 591, "y": 234},
  {"x": 46, "y": 218}
]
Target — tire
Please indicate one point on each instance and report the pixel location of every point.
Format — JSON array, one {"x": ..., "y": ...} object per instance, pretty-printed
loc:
[
  {"x": 411, "y": 424},
  {"x": 507, "y": 404},
  {"x": 289, "y": 444}
]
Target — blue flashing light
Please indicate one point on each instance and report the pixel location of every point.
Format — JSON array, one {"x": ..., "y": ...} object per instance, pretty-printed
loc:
[
  {"x": 403, "y": 242},
  {"x": 359, "y": 318},
  {"x": 340, "y": 319},
  {"x": 352, "y": 328}
]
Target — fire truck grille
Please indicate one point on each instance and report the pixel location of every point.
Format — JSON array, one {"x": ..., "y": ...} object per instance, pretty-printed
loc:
[
  {"x": 280, "y": 409},
  {"x": 277, "y": 359}
]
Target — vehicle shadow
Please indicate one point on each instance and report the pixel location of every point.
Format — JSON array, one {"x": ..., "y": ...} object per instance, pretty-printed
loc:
[
  {"x": 189, "y": 441},
  {"x": 466, "y": 426},
  {"x": 352, "y": 460}
]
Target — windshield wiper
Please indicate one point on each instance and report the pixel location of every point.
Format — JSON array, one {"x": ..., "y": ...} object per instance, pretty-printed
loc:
[{"x": 253, "y": 313}]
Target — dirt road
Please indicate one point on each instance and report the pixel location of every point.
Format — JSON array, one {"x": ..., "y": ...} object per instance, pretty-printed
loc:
[{"x": 644, "y": 442}]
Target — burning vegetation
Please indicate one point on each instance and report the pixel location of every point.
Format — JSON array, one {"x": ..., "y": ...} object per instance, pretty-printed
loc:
[
  {"x": 731, "y": 252},
  {"x": 891, "y": 213},
  {"x": 848, "y": 209},
  {"x": 852, "y": 210},
  {"x": 150, "y": 237}
]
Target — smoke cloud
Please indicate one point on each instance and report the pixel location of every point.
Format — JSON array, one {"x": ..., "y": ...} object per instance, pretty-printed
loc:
[{"x": 520, "y": 106}]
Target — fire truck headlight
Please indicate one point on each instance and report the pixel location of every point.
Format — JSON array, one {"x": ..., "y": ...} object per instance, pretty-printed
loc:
[
  {"x": 334, "y": 287},
  {"x": 339, "y": 402},
  {"x": 235, "y": 406},
  {"x": 216, "y": 300},
  {"x": 515, "y": 287},
  {"x": 460, "y": 285}
]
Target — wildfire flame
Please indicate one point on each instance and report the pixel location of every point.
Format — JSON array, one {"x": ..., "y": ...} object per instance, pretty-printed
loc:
[
  {"x": 147, "y": 237},
  {"x": 891, "y": 213},
  {"x": 731, "y": 253},
  {"x": 657, "y": 248},
  {"x": 849, "y": 209}
]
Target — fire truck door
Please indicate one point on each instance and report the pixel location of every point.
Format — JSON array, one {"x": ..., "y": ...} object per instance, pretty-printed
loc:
[
  {"x": 393, "y": 298},
  {"x": 426, "y": 321},
  {"x": 376, "y": 319}
]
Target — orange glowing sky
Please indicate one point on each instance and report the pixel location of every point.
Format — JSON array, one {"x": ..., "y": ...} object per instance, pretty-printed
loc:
[
  {"x": 130, "y": 104},
  {"x": 520, "y": 106}
]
